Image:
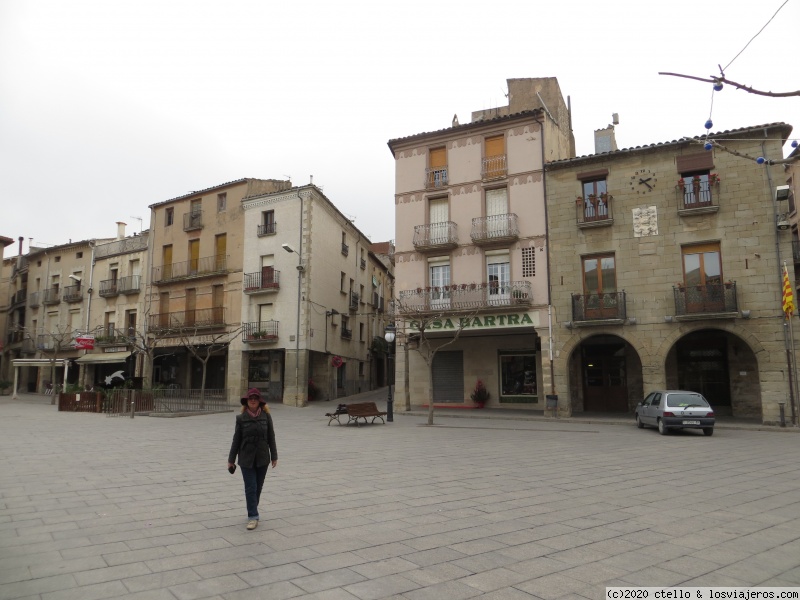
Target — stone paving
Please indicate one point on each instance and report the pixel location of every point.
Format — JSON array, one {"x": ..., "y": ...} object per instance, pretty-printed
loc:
[{"x": 95, "y": 507}]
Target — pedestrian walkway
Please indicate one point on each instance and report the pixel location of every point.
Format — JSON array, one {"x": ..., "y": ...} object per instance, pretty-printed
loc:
[{"x": 93, "y": 507}]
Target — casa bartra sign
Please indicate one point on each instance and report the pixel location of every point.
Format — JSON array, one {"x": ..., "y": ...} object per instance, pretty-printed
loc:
[{"x": 483, "y": 322}]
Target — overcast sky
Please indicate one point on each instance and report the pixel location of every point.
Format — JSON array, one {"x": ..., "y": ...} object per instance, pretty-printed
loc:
[{"x": 108, "y": 106}]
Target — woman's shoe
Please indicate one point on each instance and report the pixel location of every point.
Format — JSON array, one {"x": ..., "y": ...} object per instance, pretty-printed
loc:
[{"x": 252, "y": 524}]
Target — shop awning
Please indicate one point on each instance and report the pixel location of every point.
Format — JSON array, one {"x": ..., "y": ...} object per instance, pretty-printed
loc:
[
  {"x": 38, "y": 362},
  {"x": 103, "y": 357}
]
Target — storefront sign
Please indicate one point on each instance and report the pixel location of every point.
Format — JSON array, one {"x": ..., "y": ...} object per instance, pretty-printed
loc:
[
  {"x": 115, "y": 349},
  {"x": 502, "y": 321},
  {"x": 84, "y": 342}
]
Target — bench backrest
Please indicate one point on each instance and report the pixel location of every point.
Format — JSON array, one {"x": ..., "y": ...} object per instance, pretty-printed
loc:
[{"x": 365, "y": 408}]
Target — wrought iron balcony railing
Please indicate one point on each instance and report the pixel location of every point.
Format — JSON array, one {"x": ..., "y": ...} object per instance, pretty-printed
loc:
[
  {"x": 51, "y": 296},
  {"x": 72, "y": 293},
  {"x": 260, "y": 331},
  {"x": 436, "y": 178},
  {"x": 345, "y": 249},
  {"x": 109, "y": 288},
  {"x": 494, "y": 167},
  {"x": 266, "y": 229},
  {"x": 708, "y": 299},
  {"x": 495, "y": 229},
  {"x": 19, "y": 297},
  {"x": 187, "y": 320},
  {"x": 34, "y": 299},
  {"x": 466, "y": 296},
  {"x": 193, "y": 220},
  {"x": 598, "y": 307},
  {"x": 436, "y": 236},
  {"x": 353, "y": 301},
  {"x": 594, "y": 211},
  {"x": 696, "y": 196},
  {"x": 132, "y": 284},
  {"x": 136, "y": 243},
  {"x": 266, "y": 280},
  {"x": 197, "y": 267},
  {"x": 15, "y": 337},
  {"x": 363, "y": 264},
  {"x": 347, "y": 333}
]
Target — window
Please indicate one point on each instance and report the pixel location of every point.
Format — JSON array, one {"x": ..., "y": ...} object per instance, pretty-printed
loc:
[
  {"x": 166, "y": 261},
  {"x": 518, "y": 375},
  {"x": 130, "y": 322},
  {"x": 361, "y": 294},
  {"x": 222, "y": 202},
  {"x": 529, "y": 262},
  {"x": 437, "y": 168},
  {"x": 267, "y": 222},
  {"x": 58, "y": 259},
  {"x": 595, "y": 199},
  {"x": 439, "y": 279},
  {"x": 221, "y": 249},
  {"x": 79, "y": 255},
  {"x": 194, "y": 256},
  {"x": 703, "y": 290},
  {"x": 345, "y": 247},
  {"x": 169, "y": 216},
  {"x": 438, "y": 213},
  {"x": 494, "y": 157},
  {"x": 361, "y": 332},
  {"x": 600, "y": 287},
  {"x": 696, "y": 187},
  {"x": 190, "y": 314},
  {"x": 342, "y": 279},
  {"x": 498, "y": 271},
  {"x": 196, "y": 207},
  {"x": 497, "y": 224}
]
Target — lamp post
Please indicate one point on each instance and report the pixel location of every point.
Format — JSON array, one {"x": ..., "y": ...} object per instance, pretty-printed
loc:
[
  {"x": 300, "y": 270},
  {"x": 389, "y": 336}
]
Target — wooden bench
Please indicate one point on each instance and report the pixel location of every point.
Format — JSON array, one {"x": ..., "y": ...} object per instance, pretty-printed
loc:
[
  {"x": 334, "y": 416},
  {"x": 364, "y": 410}
]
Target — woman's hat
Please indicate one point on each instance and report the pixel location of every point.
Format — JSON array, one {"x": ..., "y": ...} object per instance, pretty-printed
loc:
[{"x": 253, "y": 392}]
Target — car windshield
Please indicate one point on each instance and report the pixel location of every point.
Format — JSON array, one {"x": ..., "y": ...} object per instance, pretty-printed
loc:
[{"x": 684, "y": 400}]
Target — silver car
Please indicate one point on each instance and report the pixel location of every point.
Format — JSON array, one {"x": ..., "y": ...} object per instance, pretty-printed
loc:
[{"x": 675, "y": 409}]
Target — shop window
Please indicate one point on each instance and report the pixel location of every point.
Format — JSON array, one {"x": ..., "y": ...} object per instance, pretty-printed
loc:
[{"x": 518, "y": 375}]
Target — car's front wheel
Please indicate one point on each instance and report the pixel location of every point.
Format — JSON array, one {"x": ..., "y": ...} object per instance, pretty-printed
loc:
[
  {"x": 662, "y": 429},
  {"x": 639, "y": 423},
  {"x": 708, "y": 431}
]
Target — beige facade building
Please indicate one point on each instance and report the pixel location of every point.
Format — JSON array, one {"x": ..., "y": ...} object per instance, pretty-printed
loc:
[
  {"x": 194, "y": 296},
  {"x": 666, "y": 263},
  {"x": 471, "y": 231},
  {"x": 314, "y": 300}
]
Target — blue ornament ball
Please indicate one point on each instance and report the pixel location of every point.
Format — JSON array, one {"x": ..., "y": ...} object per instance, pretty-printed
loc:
[
  {"x": 794, "y": 144},
  {"x": 760, "y": 160},
  {"x": 718, "y": 87},
  {"x": 708, "y": 146},
  {"x": 709, "y": 124}
]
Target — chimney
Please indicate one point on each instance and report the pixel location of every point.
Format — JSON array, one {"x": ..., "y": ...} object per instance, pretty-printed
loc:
[
  {"x": 20, "y": 244},
  {"x": 120, "y": 230},
  {"x": 604, "y": 140}
]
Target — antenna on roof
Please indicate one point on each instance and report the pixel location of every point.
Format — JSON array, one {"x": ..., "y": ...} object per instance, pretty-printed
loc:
[{"x": 140, "y": 222}]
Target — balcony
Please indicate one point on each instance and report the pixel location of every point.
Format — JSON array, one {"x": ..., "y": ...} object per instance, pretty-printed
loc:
[
  {"x": 466, "y": 296},
  {"x": 266, "y": 280},
  {"x": 18, "y": 299},
  {"x": 114, "y": 337},
  {"x": 435, "y": 178},
  {"x": 72, "y": 293},
  {"x": 187, "y": 321},
  {"x": 599, "y": 309},
  {"x": 497, "y": 229},
  {"x": 353, "y": 302},
  {"x": 266, "y": 229},
  {"x": 34, "y": 299},
  {"x": 51, "y": 296},
  {"x": 108, "y": 288},
  {"x": 696, "y": 198},
  {"x": 260, "y": 332},
  {"x": 15, "y": 337},
  {"x": 191, "y": 269},
  {"x": 193, "y": 220},
  {"x": 494, "y": 167},
  {"x": 132, "y": 284},
  {"x": 363, "y": 264},
  {"x": 345, "y": 249},
  {"x": 436, "y": 236},
  {"x": 796, "y": 250},
  {"x": 709, "y": 301},
  {"x": 137, "y": 243},
  {"x": 347, "y": 333},
  {"x": 377, "y": 302},
  {"x": 594, "y": 211}
]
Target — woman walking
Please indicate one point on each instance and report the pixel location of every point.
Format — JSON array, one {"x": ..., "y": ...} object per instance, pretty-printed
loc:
[{"x": 254, "y": 443}]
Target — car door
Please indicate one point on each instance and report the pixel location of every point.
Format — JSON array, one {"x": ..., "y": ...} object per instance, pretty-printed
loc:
[
  {"x": 651, "y": 412},
  {"x": 645, "y": 407}
]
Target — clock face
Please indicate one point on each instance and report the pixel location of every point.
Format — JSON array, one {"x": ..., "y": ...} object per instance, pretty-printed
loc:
[{"x": 643, "y": 181}]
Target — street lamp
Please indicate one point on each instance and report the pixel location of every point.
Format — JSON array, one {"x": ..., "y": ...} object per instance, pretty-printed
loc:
[
  {"x": 300, "y": 269},
  {"x": 389, "y": 336}
]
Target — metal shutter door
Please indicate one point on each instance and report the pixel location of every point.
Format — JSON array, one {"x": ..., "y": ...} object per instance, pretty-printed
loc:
[{"x": 448, "y": 377}]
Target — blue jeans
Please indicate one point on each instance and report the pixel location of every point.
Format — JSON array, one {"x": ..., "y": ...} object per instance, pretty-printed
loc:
[{"x": 253, "y": 482}]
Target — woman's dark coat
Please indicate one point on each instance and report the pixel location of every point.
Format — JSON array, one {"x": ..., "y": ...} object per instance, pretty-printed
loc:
[{"x": 253, "y": 440}]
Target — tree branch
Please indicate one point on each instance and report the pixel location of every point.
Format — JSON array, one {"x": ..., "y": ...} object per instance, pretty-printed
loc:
[{"x": 741, "y": 86}]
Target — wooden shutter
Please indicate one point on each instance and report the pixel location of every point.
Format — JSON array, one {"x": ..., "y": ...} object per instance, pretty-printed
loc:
[
  {"x": 495, "y": 146},
  {"x": 438, "y": 158}
]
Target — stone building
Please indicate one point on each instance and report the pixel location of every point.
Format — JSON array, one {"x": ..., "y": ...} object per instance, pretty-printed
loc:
[
  {"x": 470, "y": 256},
  {"x": 314, "y": 300},
  {"x": 666, "y": 273}
]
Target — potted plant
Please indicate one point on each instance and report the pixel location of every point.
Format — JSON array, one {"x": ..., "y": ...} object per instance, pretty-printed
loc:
[
  {"x": 313, "y": 390},
  {"x": 480, "y": 395},
  {"x": 681, "y": 184},
  {"x": 714, "y": 179}
]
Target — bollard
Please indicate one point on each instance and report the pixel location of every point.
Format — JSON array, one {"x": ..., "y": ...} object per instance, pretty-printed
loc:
[
  {"x": 133, "y": 407},
  {"x": 782, "y": 406}
]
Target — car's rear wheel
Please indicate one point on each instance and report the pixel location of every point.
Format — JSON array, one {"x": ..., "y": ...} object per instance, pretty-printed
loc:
[
  {"x": 708, "y": 431},
  {"x": 662, "y": 429},
  {"x": 639, "y": 423}
]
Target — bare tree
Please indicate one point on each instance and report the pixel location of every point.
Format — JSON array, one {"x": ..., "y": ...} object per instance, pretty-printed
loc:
[
  {"x": 214, "y": 344},
  {"x": 50, "y": 344},
  {"x": 419, "y": 319}
]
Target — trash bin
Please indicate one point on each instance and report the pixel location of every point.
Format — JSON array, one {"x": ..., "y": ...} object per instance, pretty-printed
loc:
[{"x": 551, "y": 401}]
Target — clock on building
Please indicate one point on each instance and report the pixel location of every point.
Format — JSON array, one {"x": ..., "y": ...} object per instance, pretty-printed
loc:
[{"x": 643, "y": 181}]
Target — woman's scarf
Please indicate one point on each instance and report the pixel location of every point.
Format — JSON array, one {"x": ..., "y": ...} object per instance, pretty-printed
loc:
[{"x": 254, "y": 414}]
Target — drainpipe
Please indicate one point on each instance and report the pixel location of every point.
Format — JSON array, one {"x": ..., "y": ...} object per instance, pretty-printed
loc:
[
  {"x": 82, "y": 368},
  {"x": 547, "y": 246},
  {"x": 299, "y": 285}
]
